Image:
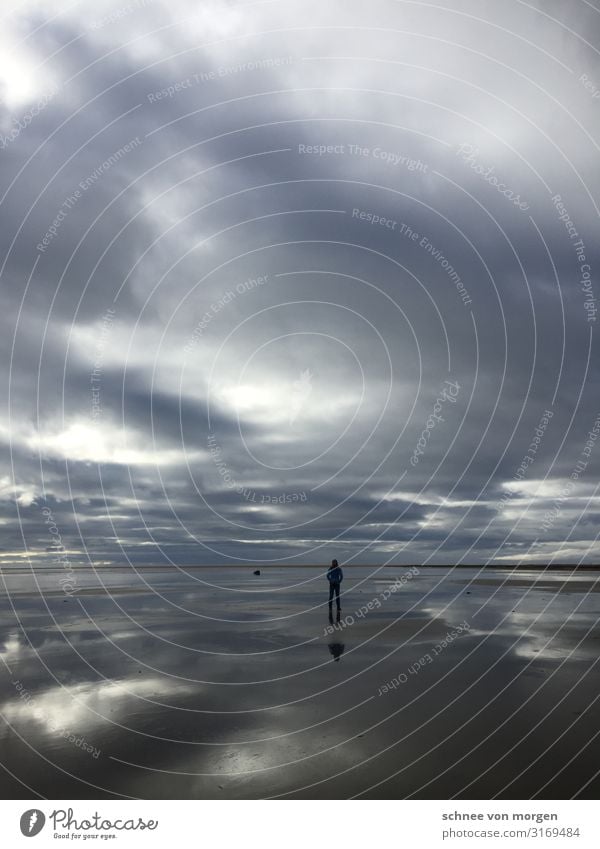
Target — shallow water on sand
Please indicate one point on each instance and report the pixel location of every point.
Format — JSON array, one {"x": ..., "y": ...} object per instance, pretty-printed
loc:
[{"x": 216, "y": 683}]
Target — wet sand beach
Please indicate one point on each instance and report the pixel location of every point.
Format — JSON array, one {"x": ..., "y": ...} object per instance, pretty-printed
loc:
[{"x": 217, "y": 683}]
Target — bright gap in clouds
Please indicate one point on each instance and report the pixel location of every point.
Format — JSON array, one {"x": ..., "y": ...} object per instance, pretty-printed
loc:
[
  {"x": 18, "y": 84},
  {"x": 100, "y": 443},
  {"x": 279, "y": 403}
]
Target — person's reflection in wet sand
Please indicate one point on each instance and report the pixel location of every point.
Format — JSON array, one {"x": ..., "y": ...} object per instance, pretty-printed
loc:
[
  {"x": 337, "y": 618},
  {"x": 336, "y": 650}
]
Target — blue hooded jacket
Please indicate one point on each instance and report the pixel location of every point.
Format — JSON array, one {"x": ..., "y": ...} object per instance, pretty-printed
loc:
[{"x": 335, "y": 575}]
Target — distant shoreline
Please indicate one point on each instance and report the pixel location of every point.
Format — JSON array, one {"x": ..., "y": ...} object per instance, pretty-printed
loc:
[{"x": 532, "y": 567}]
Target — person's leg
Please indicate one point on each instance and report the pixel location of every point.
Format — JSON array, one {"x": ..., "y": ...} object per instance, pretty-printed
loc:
[
  {"x": 330, "y": 595},
  {"x": 337, "y": 596}
]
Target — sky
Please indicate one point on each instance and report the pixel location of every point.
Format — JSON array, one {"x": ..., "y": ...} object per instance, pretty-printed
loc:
[{"x": 285, "y": 281}]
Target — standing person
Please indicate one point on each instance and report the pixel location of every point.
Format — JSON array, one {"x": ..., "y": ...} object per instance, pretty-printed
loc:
[{"x": 335, "y": 577}]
